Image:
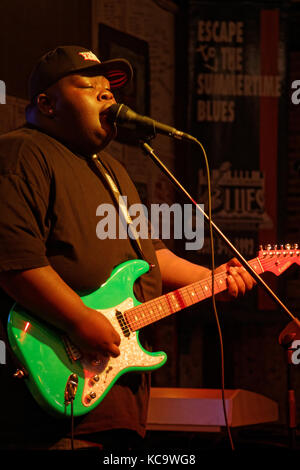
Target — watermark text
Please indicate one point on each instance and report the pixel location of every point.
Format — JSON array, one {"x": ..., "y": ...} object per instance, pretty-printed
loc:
[
  {"x": 2, "y": 92},
  {"x": 160, "y": 221},
  {"x": 296, "y": 94}
]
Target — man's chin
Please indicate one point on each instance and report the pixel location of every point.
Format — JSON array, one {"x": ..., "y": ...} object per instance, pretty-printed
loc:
[{"x": 104, "y": 141}]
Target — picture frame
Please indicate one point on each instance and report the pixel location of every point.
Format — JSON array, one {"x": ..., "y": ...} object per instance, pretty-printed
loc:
[{"x": 116, "y": 44}]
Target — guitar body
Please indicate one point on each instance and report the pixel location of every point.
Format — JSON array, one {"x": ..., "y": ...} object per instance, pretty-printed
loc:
[{"x": 50, "y": 359}]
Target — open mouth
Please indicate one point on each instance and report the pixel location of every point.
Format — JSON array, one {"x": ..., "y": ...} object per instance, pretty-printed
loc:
[
  {"x": 105, "y": 114},
  {"x": 106, "y": 123},
  {"x": 103, "y": 119}
]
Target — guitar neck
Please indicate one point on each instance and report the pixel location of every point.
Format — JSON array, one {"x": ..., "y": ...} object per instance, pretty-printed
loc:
[{"x": 165, "y": 305}]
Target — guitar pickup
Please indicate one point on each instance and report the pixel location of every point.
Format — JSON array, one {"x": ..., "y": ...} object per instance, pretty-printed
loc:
[{"x": 122, "y": 323}]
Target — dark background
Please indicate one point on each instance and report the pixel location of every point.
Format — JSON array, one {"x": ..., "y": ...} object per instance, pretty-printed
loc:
[{"x": 253, "y": 358}]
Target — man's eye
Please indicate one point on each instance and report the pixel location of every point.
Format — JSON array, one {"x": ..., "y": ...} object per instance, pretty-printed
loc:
[{"x": 85, "y": 85}]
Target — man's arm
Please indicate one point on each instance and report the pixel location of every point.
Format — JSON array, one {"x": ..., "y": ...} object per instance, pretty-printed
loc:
[
  {"x": 177, "y": 272},
  {"x": 45, "y": 294}
]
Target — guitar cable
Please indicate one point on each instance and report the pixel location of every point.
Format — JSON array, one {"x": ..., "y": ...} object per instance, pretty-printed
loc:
[
  {"x": 213, "y": 295},
  {"x": 70, "y": 393},
  {"x": 72, "y": 424},
  {"x": 149, "y": 151}
]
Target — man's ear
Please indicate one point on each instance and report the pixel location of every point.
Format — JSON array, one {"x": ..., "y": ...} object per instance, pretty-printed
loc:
[{"x": 45, "y": 104}]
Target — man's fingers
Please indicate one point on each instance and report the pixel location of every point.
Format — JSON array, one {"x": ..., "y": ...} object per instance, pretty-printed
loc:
[
  {"x": 239, "y": 281},
  {"x": 233, "y": 290},
  {"x": 233, "y": 262},
  {"x": 247, "y": 278},
  {"x": 114, "y": 351}
]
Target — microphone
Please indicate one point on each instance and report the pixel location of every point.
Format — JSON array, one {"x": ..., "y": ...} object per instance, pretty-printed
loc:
[{"x": 122, "y": 116}]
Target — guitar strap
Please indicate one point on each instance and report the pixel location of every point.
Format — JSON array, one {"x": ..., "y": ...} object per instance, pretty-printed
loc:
[{"x": 120, "y": 203}]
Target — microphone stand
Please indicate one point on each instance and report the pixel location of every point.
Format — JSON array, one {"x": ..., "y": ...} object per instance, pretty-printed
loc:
[
  {"x": 149, "y": 151},
  {"x": 293, "y": 326},
  {"x": 289, "y": 335}
]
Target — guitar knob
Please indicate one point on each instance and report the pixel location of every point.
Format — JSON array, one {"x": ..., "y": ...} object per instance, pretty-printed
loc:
[
  {"x": 19, "y": 374},
  {"x": 94, "y": 379},
  {"x": 91, "y": 396}
]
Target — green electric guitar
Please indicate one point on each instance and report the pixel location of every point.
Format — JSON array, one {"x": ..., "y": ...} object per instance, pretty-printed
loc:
[{"x": 55, "y": 367}]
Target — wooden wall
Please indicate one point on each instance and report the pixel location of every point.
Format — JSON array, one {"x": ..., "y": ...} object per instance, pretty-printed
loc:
[{"x": 29, "y": 28}]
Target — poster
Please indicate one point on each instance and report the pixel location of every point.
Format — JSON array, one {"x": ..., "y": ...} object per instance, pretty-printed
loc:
[{"x": 237, "y": 83}]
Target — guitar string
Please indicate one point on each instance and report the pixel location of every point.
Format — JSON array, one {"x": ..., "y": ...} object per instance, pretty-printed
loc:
[
  {"x": 185, "y": 293},
  {"x": 170, "y": 308},
  {"x": 186, "y": 290},
  {"x": 155, "y": 310}
]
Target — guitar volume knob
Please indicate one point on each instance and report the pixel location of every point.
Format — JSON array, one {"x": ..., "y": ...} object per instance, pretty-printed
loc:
[
  {"x": 91, "y": 396},
  {"x": 94, "y": 380}
]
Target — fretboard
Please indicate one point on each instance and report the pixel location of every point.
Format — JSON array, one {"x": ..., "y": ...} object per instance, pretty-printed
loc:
[{"x": 165, "y": 305}]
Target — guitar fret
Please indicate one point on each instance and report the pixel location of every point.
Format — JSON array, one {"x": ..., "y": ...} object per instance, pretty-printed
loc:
[
  {"x": 258, "y": 267},
  {"x": 172, "y": 302},
  {"x": 205, "y": 289},
  {"x": 170, "y": 298},
  {"x": 143, "y": 316},
  {"x": 179, "y": 294},
  {"x": 193, "y": 295},
  {"x": 221, "y": 284},
  {"x": 188, "y": 296},
  {"x": 155, "y": 313}
]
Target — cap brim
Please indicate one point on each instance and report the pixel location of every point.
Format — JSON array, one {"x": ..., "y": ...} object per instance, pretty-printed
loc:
[{"x": 117, "y": 71}]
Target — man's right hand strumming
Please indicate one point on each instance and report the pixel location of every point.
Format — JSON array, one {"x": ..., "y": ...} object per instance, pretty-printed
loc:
[{"x": 49, "y": 298}]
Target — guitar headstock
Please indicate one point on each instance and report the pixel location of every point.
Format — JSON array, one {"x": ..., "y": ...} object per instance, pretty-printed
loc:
[{"x": 277, "y": 259}]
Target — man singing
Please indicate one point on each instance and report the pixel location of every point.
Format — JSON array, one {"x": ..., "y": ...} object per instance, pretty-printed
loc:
[{"x": 50, "y": 188}]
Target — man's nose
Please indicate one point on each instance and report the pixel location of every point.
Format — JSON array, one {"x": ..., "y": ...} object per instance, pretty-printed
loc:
[{"x": 106, "y": 95}]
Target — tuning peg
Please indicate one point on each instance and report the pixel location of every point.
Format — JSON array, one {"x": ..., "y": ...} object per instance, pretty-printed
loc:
[
  {"x": 288, "y": 246},
  {"x": 295, "y": 246}
]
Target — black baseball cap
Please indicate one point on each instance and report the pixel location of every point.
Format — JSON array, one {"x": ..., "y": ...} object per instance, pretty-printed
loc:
[{"x": 65, "y": 60}]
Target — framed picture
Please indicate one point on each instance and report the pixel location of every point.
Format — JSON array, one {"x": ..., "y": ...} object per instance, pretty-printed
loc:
[{"x": 114, "y": 44}]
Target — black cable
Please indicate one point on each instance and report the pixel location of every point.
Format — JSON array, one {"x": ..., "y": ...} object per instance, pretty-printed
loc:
[
  {"x": 213, "y": 294},
  {"x": 149, "y": 151},
  {"x": 70, "y": 392},
  {"x": 72, "y": 425}
]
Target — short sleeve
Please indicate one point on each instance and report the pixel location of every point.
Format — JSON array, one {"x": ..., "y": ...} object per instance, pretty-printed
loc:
[
  {"x": 23, "y": 227},
  {"x": 158, "y": 244}
]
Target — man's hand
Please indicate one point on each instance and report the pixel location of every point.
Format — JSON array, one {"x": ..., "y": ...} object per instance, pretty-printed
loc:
[
  {"x": 239, "y": 281},
  {"x": 177, "y": 272},
  {"x": 93, "y": 333},
  {"x": 45, "y": 294}
]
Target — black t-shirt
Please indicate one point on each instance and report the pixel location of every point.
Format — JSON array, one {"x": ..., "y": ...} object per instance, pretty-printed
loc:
[{"x": 48, "y": 216}]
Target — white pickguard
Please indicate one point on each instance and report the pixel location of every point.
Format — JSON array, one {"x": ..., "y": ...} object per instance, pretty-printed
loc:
[{"x": 107, "y": 368}]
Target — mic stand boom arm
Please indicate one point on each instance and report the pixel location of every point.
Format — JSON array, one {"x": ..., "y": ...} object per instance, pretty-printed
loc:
[{"x": 149, "y": 151}]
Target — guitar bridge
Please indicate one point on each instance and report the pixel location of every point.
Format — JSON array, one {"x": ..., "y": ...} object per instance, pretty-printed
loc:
[
  {"x": 73, "y": 352},
  {"x": 122, "y": 323}
]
